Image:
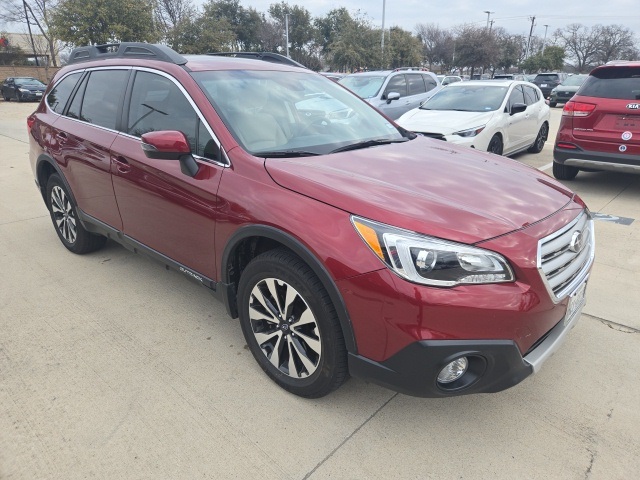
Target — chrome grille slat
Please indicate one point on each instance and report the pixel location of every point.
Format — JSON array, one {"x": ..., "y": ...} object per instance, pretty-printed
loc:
[{"x": 560, "y": 266}]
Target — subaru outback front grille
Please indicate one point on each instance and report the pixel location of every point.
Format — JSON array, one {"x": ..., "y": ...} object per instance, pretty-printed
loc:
[{"x": 565, "y": 256}]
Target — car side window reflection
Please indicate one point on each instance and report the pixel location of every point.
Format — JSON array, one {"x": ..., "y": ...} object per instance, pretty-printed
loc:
[
  {"x": 59, "y": 95},
  {"x": 516, "y": 96},
  {"x": 397, "y": 84}
]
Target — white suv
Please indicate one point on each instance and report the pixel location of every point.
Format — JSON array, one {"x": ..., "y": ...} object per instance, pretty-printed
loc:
[{"x": 393, "y": 92}]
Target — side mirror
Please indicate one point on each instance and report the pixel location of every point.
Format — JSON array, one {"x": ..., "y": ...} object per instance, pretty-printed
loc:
[
  {"x": 170, "y": 145},
  {"x": 392, "y": 96},
  {"x": 517, "y": 108}
]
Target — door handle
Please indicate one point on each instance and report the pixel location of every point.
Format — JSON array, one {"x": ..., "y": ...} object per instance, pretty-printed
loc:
[
  {"x": 122, "y": 164},
  {"x": 62, "y": 137}
]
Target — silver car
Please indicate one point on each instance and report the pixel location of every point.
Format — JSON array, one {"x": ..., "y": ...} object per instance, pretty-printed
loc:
[{"x": 393, "y": 92}]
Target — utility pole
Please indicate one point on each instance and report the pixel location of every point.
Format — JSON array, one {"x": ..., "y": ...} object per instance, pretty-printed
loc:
[
  {"x": 286, "y": 29},
  {"x": 488, "y": 17},
  {"x": 33, "y": 45},
  {"x": 384, "y": 7},
  {"x": 491, "y": 25},
  {"x": 544, "y": 42},
  {"x": 533, "y": 19}
]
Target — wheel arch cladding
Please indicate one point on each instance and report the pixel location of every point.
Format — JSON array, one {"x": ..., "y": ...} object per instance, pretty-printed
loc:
[
  {"x": 250, "y": 241},
  {"x": 45, "y": 167}
]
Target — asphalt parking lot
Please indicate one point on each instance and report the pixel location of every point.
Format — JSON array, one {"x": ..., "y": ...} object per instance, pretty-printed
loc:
[{"x": 112, "y": 367}]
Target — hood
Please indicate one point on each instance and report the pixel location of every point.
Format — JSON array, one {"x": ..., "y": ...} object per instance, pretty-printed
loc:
[
  {"x": 445, "y": 122},
  {"x": 427, "y": 186}
]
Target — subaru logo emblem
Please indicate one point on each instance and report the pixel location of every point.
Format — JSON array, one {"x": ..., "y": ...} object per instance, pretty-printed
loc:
[
  {"x": 577, "y": 242},
  {"x": 633, "y": 106}
]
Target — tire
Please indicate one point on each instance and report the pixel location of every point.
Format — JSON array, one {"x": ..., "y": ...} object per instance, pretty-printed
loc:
[
  {"x": 17, "y": 97},
  {"x": 538, "y": 144},
  {"x": 65, "y": 220},
  {"x": 495, "y": 145},
  {"x": 553, "y": 104},
  {"x": 564, "y": 172},
  {"x": 291, "y": 325}
]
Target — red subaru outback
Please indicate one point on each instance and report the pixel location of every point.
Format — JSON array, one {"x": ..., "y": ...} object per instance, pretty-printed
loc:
[
  {"x": 600, "y": 126},
  {"x": 344, "y": 244}
]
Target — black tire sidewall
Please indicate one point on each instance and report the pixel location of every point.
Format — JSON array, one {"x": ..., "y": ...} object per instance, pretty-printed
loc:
[
  {"x": 287, "y": 267},
  {"x": 496, "y": 138},
  {"x": 55, "y": 181}
]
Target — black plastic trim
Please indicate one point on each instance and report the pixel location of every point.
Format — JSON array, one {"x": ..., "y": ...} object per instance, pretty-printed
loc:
[
  {"x": 147, "y": 51},
  {"x": 560, "y": 155},
  {"x": 495, "y": 365},
  {"x": 300, "y": 250},
  {"x": 43, "y": 158}
]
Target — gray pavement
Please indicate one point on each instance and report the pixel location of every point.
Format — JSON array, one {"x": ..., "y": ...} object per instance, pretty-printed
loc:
[{"x": 112, "y": 367}]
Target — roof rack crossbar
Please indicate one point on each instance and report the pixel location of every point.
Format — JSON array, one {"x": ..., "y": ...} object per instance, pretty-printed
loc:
[{"x": 126, "y": 50}]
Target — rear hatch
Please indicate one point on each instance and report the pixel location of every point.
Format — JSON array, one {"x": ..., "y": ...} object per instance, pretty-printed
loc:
[
  {"x": 547, "y": 81},
  {"x": 612, "y": 96}
]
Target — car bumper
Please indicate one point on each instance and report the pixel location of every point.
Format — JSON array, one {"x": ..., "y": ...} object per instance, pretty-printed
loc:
[
  {"x": 628, "y": 162},
  {"x": 560, "y": 97},
  {"x": 30, "y": 97}
]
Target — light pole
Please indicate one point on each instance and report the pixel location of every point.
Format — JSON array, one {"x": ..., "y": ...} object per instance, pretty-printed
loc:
[
  {"x": 286, "y": 29},
  {"x": 544, "y": 42},
  {"x": 488, "y": 17},
  {"x": 384, "y": 7}
]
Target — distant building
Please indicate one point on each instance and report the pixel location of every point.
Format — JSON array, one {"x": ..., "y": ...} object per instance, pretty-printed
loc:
[{"x": 23, "y": 41}]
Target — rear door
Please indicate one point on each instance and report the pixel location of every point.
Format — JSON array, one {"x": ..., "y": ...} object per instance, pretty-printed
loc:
[
  {"x": 161, "y": 207},
  {"x": 614, "y": 124}
]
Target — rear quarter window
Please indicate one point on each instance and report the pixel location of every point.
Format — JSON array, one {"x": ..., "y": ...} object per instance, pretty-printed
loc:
[
  {"x": 620, "y": 83},
  {"x": 60, "y": 94}
]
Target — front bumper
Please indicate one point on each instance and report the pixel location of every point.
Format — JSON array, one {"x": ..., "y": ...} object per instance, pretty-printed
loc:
[
  {"x": 29, "y": 96},
  {"x": 494, "y": 365}
]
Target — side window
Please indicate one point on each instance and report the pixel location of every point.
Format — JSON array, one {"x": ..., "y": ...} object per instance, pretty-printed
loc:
[
  {"x": 415, "y": 84},
  {"x": 158, "y": 104},
  {"x": 59, "y": 95},
  {"x": 207, "y": 146},
  {"x": 431, "y": 83},
  {"x": 76, "y": 104},
  {"x": 516, "y": 96},
  {"x": 397, "y": 84},
  {"x": 102, "y": 96},
  {"x": 530, "y": 95}
]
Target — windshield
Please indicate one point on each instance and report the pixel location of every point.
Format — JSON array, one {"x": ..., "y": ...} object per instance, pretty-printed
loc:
[
  {"x": 292, "y": 114},
  {"x": 574, "y": 81},
  {"x": 550, "y": 77},
  {"x": 365, "y": 86},
  {"x": 467, "y": 98}
]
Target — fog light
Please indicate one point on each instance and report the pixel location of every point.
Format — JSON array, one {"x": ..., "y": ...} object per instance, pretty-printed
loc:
[{"x": 453, "y": 371}]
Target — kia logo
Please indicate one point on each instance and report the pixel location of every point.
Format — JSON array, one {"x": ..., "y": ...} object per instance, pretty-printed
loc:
[
  {"x": 634, "y": 106},
  {"x": 577, "y": 242}
]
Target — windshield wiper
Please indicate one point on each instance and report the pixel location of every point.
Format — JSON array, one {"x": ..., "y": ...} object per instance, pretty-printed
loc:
[
  {"x": 285, "y": 154},
  {"x": 367, "y": 144}
]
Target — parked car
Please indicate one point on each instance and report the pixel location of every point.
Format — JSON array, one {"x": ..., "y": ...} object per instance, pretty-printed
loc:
[
  {"x": 530, "y": 77},
  {"x": 333, "y": 76},
  {"x": 448, "y": 79},
  {"x": 600, "y": 125},
  {"x": 508, "y": 76},
  {"x": 503, "y": 117},
  {"x": 567, "y": 89},
  {"x": 548, "y": 81},
  {"x": 22, "y": 89},
  {"x": 393, "y": 92},
  {"x": 344, "y": 244}
]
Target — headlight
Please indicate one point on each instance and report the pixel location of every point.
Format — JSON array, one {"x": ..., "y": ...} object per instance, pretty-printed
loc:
[
  {"x": 431, "y": 261},
  {"x": 554, "y": 90},
  {"x": 470, "y": 132},
  {"x": 23, "y": 90}
]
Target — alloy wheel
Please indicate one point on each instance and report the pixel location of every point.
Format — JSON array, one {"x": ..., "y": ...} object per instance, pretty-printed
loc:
[
  {"x": 285, "y": 328},
  {"x": 63, "y": 214}
]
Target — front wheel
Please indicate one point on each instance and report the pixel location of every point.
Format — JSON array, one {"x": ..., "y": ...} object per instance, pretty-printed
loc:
[
  {"x": 564, "y": 172},
  {"x": 538, "y": 144},
  {"x": 65, "y": 220},
  {"x": 495, "y": 145},
  {"x": 291, "y": 325},
  {"x": 17, "y": 97}
]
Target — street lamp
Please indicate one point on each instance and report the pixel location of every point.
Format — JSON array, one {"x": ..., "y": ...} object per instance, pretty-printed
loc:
[
  {"x": 286, "y": 29},
  {"x": 488, "y": 17},
  {"x": 384, "y": 7}
]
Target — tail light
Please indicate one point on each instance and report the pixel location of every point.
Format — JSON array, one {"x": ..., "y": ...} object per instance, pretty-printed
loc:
[
  {"x": 31, "y": 119},
  {"x": 577, "y": 109}
]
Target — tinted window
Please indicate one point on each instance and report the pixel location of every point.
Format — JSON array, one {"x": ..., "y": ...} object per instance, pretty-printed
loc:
[
  {"x": 76, "y": 104},
  {"x": 59, "y": 95},
  {"x": 530, "y": 95},
  {"x": 158, "y": 104},
  {"x": 364, "y": 86},
  {"x": 415, "y": 84},
  {"x": 547, "y": 77},
  {"x": 613, "y": 82},
  {"x": 397, "y": 84},
  {"x": 516, "y": 96},
  {"x": 102, "y": 97},
  {"x": 431, "y": 83}
]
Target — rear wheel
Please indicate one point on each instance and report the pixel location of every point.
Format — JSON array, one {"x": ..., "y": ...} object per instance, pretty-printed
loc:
[
  {"x": 65, "y": 220},
  {"x": 291, "y": 325},
  {"x": 564, "y": 172},
  {"x": 495, "y": 145},
  {"x": 538, "y": 144}
]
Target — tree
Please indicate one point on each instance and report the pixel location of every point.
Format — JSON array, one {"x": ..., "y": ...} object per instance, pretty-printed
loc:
[
  {"x": 616, "y": 43},
  {"x": 34, "y": 13},
  {"x": 581, "y": 43},
  {"x": 9, "y": 54},
  {"x": 94, "y": 22},
  {"x": 244, "y": 22},
  {"x": 169, "y": 14},
  {"x": 301, "y": 31},
  {"x": 476, "y": 47},
  {"x": 438, "y": 45},
  {"x": 405, "y": 50},
  {"x": 203, "y": 34}
]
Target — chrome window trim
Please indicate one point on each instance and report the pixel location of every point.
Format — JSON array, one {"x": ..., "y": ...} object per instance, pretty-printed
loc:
[
  {"x": 46, "y": 100},
  {"x": 583, "y": 274}
]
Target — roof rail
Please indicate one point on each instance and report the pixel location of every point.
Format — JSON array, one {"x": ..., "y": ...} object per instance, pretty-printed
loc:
[
  {"x": 420, "y": 69},
  {"x": 126, "y": 50},
  {"x": 266, "y": 56}
]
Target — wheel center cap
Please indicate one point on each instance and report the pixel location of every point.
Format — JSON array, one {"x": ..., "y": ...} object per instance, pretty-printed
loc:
[{"x": 285, "y": 327}]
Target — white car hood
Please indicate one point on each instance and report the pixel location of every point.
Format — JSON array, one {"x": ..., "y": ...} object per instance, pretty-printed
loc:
[{"x": 444, "y": 122}]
